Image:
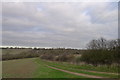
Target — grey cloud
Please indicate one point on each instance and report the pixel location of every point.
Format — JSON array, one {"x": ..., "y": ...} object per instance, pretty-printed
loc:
[{"x": 57, "y": 24}]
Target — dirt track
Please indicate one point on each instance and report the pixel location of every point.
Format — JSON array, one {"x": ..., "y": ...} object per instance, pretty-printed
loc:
[
  {"x": 96, "y": 71},
  {"x": 79, "y": 74}
]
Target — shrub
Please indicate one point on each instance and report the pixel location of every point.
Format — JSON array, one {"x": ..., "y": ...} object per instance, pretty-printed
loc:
[{"x": 98, "y": 57}]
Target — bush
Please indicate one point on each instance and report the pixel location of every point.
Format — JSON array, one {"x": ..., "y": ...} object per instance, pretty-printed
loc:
[
  {"x": 99, "y": 57},
  {"x": 57, "y": 57}
]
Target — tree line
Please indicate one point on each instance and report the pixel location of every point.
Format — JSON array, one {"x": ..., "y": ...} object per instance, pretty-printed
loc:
[
  {"x": 102, "y": 52},
  {"x": 99, "y": 52}
]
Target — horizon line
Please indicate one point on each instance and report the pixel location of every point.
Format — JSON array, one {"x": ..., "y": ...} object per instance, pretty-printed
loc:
[{"x": 39, "y": 47}]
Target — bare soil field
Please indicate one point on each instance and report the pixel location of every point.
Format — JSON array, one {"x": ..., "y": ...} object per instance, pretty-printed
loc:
[{"x": 21, "y": 68}]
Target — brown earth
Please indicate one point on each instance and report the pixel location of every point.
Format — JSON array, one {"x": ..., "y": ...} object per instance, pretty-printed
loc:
[{"x": 21, "y": 68}]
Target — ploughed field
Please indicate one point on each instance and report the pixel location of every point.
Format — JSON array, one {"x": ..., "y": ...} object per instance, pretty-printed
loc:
[
  {"x": 38, "y": 68},
  {"x": 20, "y": 68}
]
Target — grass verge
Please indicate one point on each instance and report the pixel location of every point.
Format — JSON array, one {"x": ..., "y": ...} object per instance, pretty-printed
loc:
[{"x": 74, "y": 69}]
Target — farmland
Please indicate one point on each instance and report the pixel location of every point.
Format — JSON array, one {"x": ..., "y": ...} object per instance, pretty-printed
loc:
[
  {"x": 94, "y": 62},
  {"x": 36, "y": 68},
  {"x": 81, "y": 69},
  {"x": 60, "y": 40},
  {"x": 33, "y": 68},
  {"x": 22, "y": 68},
  {"x": 14, "y": 51}
]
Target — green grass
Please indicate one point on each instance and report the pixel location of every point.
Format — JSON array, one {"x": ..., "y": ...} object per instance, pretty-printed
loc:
[
  {"x": 44, "y": 72},
  {"x": 113, "y": 69},
  {"x": 36, "y": 68},
  {"x": 33, "y": 68},
  {"x": 74, "y": 69}
]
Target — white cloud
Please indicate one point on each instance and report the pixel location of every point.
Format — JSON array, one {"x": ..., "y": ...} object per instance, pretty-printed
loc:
[{"x": 58, "y": 24}]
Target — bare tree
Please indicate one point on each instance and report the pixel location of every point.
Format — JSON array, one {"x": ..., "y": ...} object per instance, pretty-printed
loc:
[{"x": 97, "y": 44}]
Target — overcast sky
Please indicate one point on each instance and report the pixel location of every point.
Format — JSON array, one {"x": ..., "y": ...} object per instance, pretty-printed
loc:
[{"x": 52, "y": 24}]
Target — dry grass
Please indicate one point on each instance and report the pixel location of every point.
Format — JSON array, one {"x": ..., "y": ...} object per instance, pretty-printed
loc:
[
  {"x": 21, "y": 68},
  {"x": 14, "y": 51}
]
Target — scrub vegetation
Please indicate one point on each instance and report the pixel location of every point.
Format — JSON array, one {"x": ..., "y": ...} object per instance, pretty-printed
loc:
[{"x": 101, "y": 58}]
